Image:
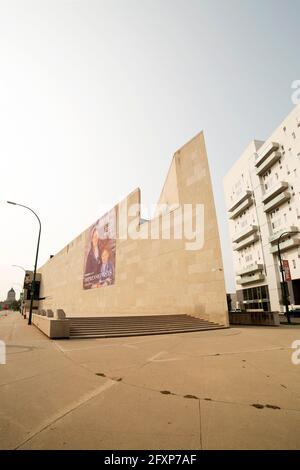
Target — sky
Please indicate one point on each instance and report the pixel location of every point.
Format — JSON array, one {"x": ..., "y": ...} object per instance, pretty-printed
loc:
[{"x": 97, "y": 95}]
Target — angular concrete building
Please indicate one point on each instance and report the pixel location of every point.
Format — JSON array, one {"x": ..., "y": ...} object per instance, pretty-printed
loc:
[{"x": 124, "y": 265}]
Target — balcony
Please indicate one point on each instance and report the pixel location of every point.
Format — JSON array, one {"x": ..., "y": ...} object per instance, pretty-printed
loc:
[
  {"x": 241, "y": 207},
  {"x": 274, "y": 237},
  {"x": 259, "y": 277},
  {"x": 246, "y": 242},
  {"x": 250, "y": 269},
  {"x": 286, "y": 245},
  {"x": 265, "y": 151},
  {"x": 245, "y": 195},
  {"x": 268, "y": 162},
  {"x": 245, "y": 233},
  {"x": 274, "y": 191},
  {"x": 277, "y": 201}
]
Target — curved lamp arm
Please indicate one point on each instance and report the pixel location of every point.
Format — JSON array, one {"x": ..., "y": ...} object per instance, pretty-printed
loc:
[{"x": 36, "y": 257}]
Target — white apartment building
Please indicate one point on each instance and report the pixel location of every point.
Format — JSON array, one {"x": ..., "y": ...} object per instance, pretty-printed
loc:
[{"x": 262, "y": 192}]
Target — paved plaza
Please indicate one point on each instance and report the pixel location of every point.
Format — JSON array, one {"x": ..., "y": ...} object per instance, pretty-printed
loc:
[{"x": 226, "y": 389}]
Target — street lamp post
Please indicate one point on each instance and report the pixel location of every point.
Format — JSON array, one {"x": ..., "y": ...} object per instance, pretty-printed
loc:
[
  {"x": 36, "y": 259},
  {"x": 285, "y": 297}
]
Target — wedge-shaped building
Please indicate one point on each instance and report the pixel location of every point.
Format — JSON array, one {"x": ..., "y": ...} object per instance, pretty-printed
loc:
[{"x": 124, "y": 265}]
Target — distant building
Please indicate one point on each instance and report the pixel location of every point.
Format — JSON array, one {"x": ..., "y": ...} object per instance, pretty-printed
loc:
[
  {"x": 11, "y": 296},
  {"x": 27, "y": 291},
  {"x": 232, "y": 302},
  {"x": 262, "y": 193}
]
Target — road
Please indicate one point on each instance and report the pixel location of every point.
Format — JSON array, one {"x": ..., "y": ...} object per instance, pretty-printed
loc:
[{"x": 223, "y": 389}]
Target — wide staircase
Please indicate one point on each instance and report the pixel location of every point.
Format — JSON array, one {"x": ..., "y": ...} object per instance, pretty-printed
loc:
[{"x": 109, "y": 327}]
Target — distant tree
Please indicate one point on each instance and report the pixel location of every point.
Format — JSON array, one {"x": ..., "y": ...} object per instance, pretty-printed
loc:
[
  {"x": 229, "y": 302},
  {"x": 15, "y": 305}
]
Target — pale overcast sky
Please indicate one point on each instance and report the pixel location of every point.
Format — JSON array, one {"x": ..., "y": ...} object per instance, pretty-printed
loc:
[{"x": 97, "y": 95}]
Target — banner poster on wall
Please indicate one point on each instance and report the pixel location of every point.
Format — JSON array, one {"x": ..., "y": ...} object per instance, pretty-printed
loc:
[{"x": 100, "y": 252}]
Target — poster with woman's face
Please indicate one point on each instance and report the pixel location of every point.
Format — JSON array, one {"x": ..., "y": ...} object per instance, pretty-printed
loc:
[{"x": 100, "y": 252}]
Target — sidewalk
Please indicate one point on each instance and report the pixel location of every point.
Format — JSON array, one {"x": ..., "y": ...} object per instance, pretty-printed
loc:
[{"x": 223, "y": 389}]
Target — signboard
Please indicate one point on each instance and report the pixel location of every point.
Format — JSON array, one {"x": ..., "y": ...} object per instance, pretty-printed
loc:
[
  {"x": 287, "y": 271},
  {"x": 100, "y": 252},
  {"x": 27, "y": 281}
]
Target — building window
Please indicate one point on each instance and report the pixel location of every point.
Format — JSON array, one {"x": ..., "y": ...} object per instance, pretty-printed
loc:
[{"x": 294, "y": 264}]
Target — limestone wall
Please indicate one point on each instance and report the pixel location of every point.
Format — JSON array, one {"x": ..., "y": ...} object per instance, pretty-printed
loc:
[{"x": 151, "y": 276}]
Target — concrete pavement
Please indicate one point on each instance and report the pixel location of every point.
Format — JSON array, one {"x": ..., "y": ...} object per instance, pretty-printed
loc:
[{"x": 224, "y": 389}]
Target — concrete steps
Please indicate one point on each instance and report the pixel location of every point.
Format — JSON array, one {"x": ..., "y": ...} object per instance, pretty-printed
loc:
[{"x": 109, "y": 327}]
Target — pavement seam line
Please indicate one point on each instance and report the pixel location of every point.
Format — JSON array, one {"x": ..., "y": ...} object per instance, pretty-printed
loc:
[
  {"x": 81, "y": 402},
  {"x": 237, "y": 352},
  {"x": 212, "y": 400},
  {"x": 273, "y": 376},
  {"x": 29, "y": 377},
  {"x": 200, "y": 424}
]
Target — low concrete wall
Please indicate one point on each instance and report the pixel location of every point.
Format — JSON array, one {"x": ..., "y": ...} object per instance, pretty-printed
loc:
[
  {"x": 254, "y": 318},
  {"x": 52, "y": 327}
]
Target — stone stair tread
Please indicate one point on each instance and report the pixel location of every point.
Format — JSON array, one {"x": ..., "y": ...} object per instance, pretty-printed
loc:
[
  {"x": 136, "y": 321},
  {"x": 79, "y": 325},
  {"x": 137, "y": 325},
  {"x": 145, "y": 333},
  {"x": 138, "y": 330}
]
